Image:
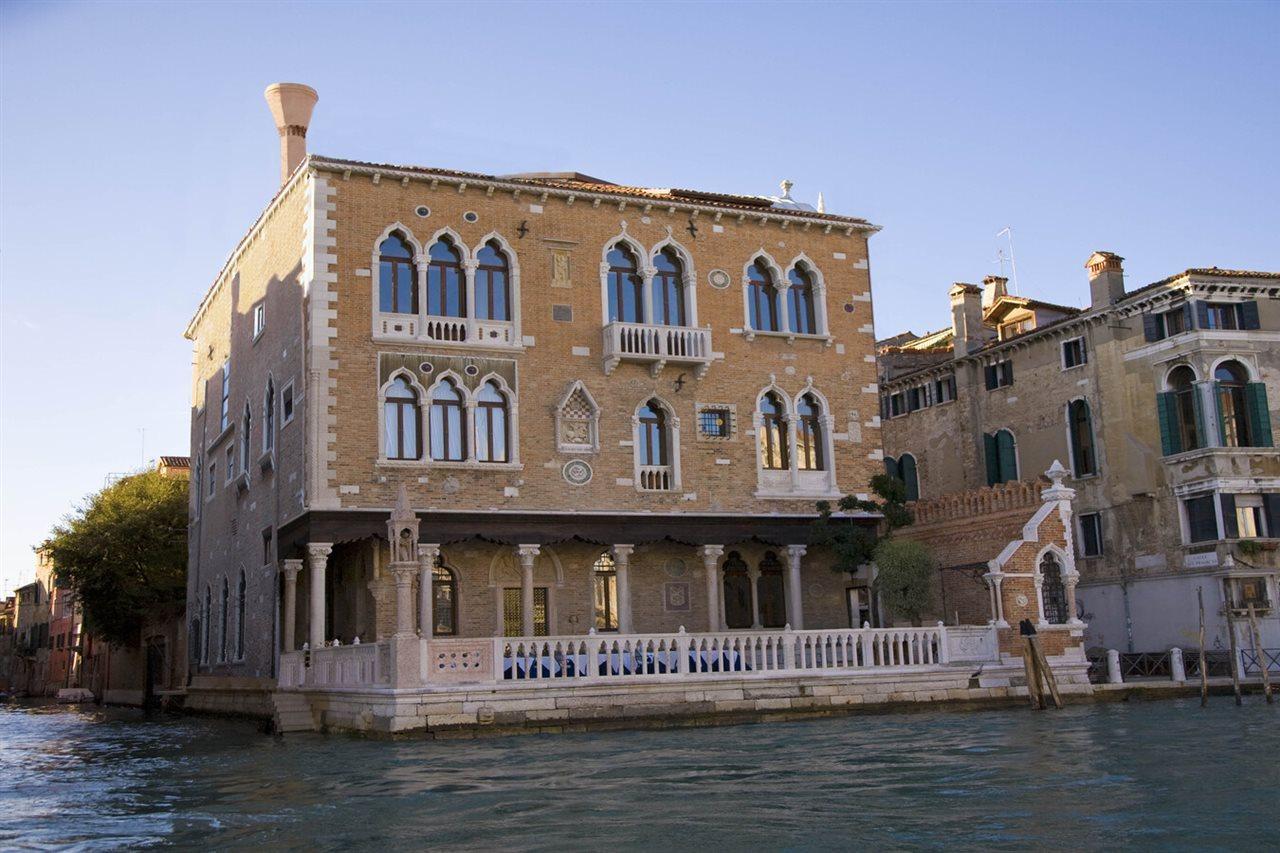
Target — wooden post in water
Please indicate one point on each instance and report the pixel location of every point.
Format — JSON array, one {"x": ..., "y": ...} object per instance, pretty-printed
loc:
[
  {"x": 1042, "y": 665},
  {"x": 1235, "y": 654},
  {"x": 1033, "y": 681},
  {"x": 1261, "y": 654},
  {"x": 1204, "y": 670}
]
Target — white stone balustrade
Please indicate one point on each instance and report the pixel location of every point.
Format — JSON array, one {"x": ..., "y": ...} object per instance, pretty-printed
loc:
[{"x": 656, "y": 345}]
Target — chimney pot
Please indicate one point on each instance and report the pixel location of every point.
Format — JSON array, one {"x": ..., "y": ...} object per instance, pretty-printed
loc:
[
  {"x": 966, "y": 318},
  {"x": 993, "y": 288},
  {"x": 291, "y": 105},
  {"x": 1106, "y": 278}
]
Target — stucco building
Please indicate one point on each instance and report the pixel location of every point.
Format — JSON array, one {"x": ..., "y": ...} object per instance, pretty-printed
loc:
[{"x": 1160, "y": 401}]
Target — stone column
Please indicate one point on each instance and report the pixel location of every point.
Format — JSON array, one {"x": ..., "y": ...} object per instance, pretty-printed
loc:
[
  {"x": 317, "y": 560},
  {"x": 622, "y": 562},
  {"x": 753, "y": 573},
  {"x": 289, "y": 571},
  {"x": 795, "y": 607},
  {"x": 427, "y": 554},
  {"x": 1069, "y": 581},
  {"x": 792, "y": 422},
  {"x": 469, "y": 267},
  {"x": 711, "y": 565},
  {"x": 404, "y": 599},
  {"x": 527, "y": 553}
]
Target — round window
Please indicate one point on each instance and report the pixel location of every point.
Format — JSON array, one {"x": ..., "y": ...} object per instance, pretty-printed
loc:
[
  {"x": 426, "y": 367},
  {"x": 422, "y": 210},
  {"x": 471, "y": 216}
]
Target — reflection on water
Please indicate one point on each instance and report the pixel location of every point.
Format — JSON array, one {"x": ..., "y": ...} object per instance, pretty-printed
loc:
[{"x": 1155, "y": 774}]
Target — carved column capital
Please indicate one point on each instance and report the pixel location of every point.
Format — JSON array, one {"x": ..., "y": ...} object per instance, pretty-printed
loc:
[
  {"x": 290, "y": 568},
  {"x": 318, "y": 553},
  {"x": 428, "y": 552},
  {"x": 527, "y": 554},
  {"x": 711, "y": 553},
  {"x": 622, "y": 553},
  {"x": 795, "y": 552}
]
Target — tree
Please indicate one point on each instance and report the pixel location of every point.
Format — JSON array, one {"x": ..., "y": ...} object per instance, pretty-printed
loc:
[
  {"x": 904, "y": 577},
  {"x": 850, "y": 541},
  {"x": 124, "y": 553}
]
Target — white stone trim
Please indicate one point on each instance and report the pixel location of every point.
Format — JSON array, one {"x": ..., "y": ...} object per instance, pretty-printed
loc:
[
  {"x": 643, "y": 267},
  {"x": 423, "y": 401},
  {"x": 319, "y": 290},
  {"x": 593, "y": 429}
]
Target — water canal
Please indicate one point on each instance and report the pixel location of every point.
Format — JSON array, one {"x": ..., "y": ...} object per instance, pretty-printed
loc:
[{"x": 1160, "y": 774}]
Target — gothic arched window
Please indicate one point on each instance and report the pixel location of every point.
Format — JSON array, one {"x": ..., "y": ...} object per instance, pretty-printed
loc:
[
  {"x": 604, "y": 582},
  {"x": 446, "y": 296},
  {"x": 771, "y": 594},
  {"x": 775, "y": 454},
  {"x": 493, "y": 276},
  {"x": 444, "y": 603},
  {"x": 668, "y": 289},
  {"x": 400, "y": 421},
  {"x": 626, "y": 287},
  {"x": 737, "y": 592},
  {"x": 492, "y": 430},
  {"x": 762, "y": 298},
  {"x": 809, "y": 434},
  {"x": 397, "y": 280},
  {"x": 448, "y": 424},
  {"x": 800, "y": 310},
  {"x": 1052, "y": 590}
]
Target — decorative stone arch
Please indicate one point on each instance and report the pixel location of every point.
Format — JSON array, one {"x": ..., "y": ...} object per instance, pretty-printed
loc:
[
  {"x": 777, "y": 389},
  {"x": 1250, "y": 369},
  {"x": 513, "y": 278},
  {"x": 690, "y": 278},
  {"x": 513, "y": 417},
  {"x": 644, "y": 267},
  {"x": 269, "y": 423},
  {"x": 505, "y": 556},
  {"x": 820, "y": 318},
  {"x": 375, "y": 270},
  {"x": 828, "y": 422},
  {"x": 779, "y": 283},
  {"x": 423, "y": 403},
  {"x": 673, "y": 439},
  {"x": 404, "y": 231},
  {"x": 1069, "y": 579},
  {"x": 1167, "y": 385},
  {"x": 563, "y": 420}
]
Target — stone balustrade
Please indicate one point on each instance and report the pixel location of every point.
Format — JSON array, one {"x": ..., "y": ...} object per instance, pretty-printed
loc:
[{"x": 979, "y": 502}]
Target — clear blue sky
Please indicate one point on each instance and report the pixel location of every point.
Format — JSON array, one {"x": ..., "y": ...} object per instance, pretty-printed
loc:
[{"x": 135, "y": 149}]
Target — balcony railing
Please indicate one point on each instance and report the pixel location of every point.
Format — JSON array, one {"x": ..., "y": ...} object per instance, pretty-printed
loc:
[
  {"x": 656, "y": 345},
  {"x": 453, "y": 331},
  {"x": 364, "y": 665},
  {"x": 656, "y": 478}
]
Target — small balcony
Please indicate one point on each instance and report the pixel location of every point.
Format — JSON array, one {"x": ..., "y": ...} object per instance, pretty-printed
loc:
[
  {"x": 656, "y": 346},
  {"x": 446, "y": 331},
  {"x": 656, "y": 478}
]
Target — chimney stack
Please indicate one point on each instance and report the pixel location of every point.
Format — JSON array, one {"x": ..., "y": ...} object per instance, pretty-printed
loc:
[
  {"x": 1106, "y": 278},
  {"x": 966, "y": 318},
  {"x": 291, "y": 105},
  {"x": 994, "y": 287}
]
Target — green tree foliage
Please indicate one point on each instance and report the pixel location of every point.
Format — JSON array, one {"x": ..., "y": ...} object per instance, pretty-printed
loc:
[
  {"x": 124, "y": 553},
  {"x": 847, "y": 536},
  {"x": 904, "y": 577}
]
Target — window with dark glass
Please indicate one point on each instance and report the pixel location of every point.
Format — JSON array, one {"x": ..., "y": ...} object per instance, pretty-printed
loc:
[
  {"x": 400, "y": 420},
  {"x": 225, "y": 420},
  {"x": 444, "y": 602},
  {"x": 998, "y": 374},
  {"x": 713, "y": 423},
  {"x": 668, "y": 289},
  {"x": 944, "y": 389},
  {"x": 231, "y": 463},
  {"x": 1080, "y": 428},
  {"x": 771, "y": 597},
  {"x": 445, "y": 289},
  {"x": 222, "y": 625},
  {"x": 604, "y": 578},
  {"x": 213, "y": 478},
  {"x": 1073, "y": 353},
  {"x": 809, "y": 434},
  {"x": 397, "y": 279},
  {"x": 1220, "y": 315},
  {"x": 286, "y": 403},
  {"x": 905, "y": 470},
  {"x": 1001, "y": 457},
  {"x": 246, "y": 424},
  {"x": 448, "y": 435},
  {"x": 625, "y": 286},
  {"x": 653, "y": 434},
  {"x": 1231, "y": 382},
  {"x": 1179, "y": 410},
  {"x": 269, "y": 417},
  {"x": 800, "y": 310},
  {"x": 762, "y": 298},
  {"x": 1202, "y": 518},
  {"x": 1053, "y": 593},
  {"x": 267, "y": 537},
  {"x": 493, "y": 289},
  {"x": 1091, "y": 534},
  {"x": 774, "y": 451},
  {"x": 492, "y": 430},
  {"x": 241, "y": 593},
  {"x": 737, "y": 592}
]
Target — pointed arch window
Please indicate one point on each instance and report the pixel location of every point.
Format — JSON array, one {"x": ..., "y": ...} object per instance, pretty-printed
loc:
[
  {"x": 762, "y": 298},
  {"x": 444, "y": 604},
  {"x": 1080, "y": 429},
  {"x": 493, "y": 277},
  {"x": 208, "y": 616},
  {"x": 1053, "y": 593},
  {"x": 800, "y": 305},
  {"x": 400, "y": 420},
  {"x": 905, "y": 470},
  {"x": 668, "y": 289},
  {"x": 774, "y": 450},
  {"x": 492, "y": 420},
  {"x": 654, "y": 449},
  {"x": 222, "y": 625},
  {"x": 809, "y": 435},
  {"x": 448, "y": 435},
  {"x": 604, "y": 577},
  {"x": 446, "y": 294},
  {"x": 737, "y": 592},
  {"x": 397, "y": 278},
  {"x": 269, "y": 417},
  {"x": 246, "y": 426},
  {"x": 626, "y": 287},
  {"x": 241, "y": 592},
  {"x": 771, "y": 594}
]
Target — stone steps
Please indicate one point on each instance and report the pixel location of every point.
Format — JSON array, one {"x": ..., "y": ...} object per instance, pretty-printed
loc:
[{"x": 292, "y": 713}]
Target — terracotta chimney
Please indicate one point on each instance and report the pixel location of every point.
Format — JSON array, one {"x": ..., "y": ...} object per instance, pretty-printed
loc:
[
  {"x": 1106, "y": 278},
  {"x": 966, "y": 318},
  {"x": 993, "y": 287},
  {"x": 291, "y": 105}
]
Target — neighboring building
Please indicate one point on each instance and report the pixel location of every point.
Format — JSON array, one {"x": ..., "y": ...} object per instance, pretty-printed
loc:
[
  {"x": 1158, "y": 402},
  {"x": 66, "y": 628},
  {"x": 599, "y": 410},
  {"x": 30, "y": 667},
  {"x": 8, "y": 639}
]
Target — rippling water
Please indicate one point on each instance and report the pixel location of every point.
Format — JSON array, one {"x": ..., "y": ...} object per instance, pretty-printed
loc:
[{"x": 1164, "y": 774}]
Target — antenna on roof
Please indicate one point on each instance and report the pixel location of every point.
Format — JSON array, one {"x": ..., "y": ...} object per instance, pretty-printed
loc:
[
  {"x": 1000, "y": 259},
  {"x": 1007, "y": 231}
]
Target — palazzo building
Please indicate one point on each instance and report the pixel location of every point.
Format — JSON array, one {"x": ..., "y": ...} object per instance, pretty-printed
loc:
[{"x": 1160, "y": 400}]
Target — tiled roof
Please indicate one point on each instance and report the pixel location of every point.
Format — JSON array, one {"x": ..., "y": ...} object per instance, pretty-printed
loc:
[
  {"x": 1208, "y": 271},
  {"x": 587, "y": 184},
  {"x": 175, "y": 461}
]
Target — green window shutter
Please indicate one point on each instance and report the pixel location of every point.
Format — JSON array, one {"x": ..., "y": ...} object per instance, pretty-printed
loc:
[
  {"x": 1091, "y": 457},
  {"x": 1255, "y": 395},
  {"x": 1222, "y": 420},
  {"x": 891, "y": 467},
  {"x": 1232, "y": 530},
  {"x": 1008, "y": 459},
  {"x": 993, "y": 461},
  {"x": 1271, "y": 509},
  {"x": 1197, "y": 404},
  {"x": 910, "y": 477},
  {"x": 1167, "y": 415}
]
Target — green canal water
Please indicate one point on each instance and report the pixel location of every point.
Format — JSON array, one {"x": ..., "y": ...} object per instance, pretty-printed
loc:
[{"x": 1154, "y": 775}]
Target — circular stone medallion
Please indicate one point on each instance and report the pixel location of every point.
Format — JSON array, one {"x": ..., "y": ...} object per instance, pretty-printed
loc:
[
  {"x": 576, "y": 472},
  {"x": 1022, "y": 600},
  {"x": 676, "y": 567},
  {"x": 719, "y": 279}
]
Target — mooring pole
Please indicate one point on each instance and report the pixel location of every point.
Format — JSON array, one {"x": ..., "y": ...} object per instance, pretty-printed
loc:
[
  {"x": 1261, "y": 655},
  {"x": 1042, "y": 664},
  {"x": 1204, "y": 670},
  {"x": 1033, "y": 681},
  {"x": 1235, "y": 654}
]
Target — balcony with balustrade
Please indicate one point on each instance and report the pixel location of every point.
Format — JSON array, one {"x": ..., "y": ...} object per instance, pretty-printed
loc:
[
  {"x": 445, "y": 331},
  {"x": 657, "y": 346}
]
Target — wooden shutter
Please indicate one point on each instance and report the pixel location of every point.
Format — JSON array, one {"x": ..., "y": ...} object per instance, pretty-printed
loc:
[
  {"x": 1202, "y": 314},
  {"x": 1188, "y": 317},
  {"x": 990, "y": 374},
  {"x": 1231, "y": 530},
  {"x": 891, "y": 467},
  {"x": 1197, "y": 405},
  {"x": 1249, "y": 315},
  {"x": 1151, "y": 327},
  {"x": 1008, "y": 458},
  {"x": 1167, "y": 415},
  {"x": 1006, "y": 372},
  {"x": 993, "y": 460},
  {"x": 1222, "y": 415},
  {"x": 910, "y": 477},
  {"x": 1271, "y": 509},
  {"x": 1255, "y": 397}
]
